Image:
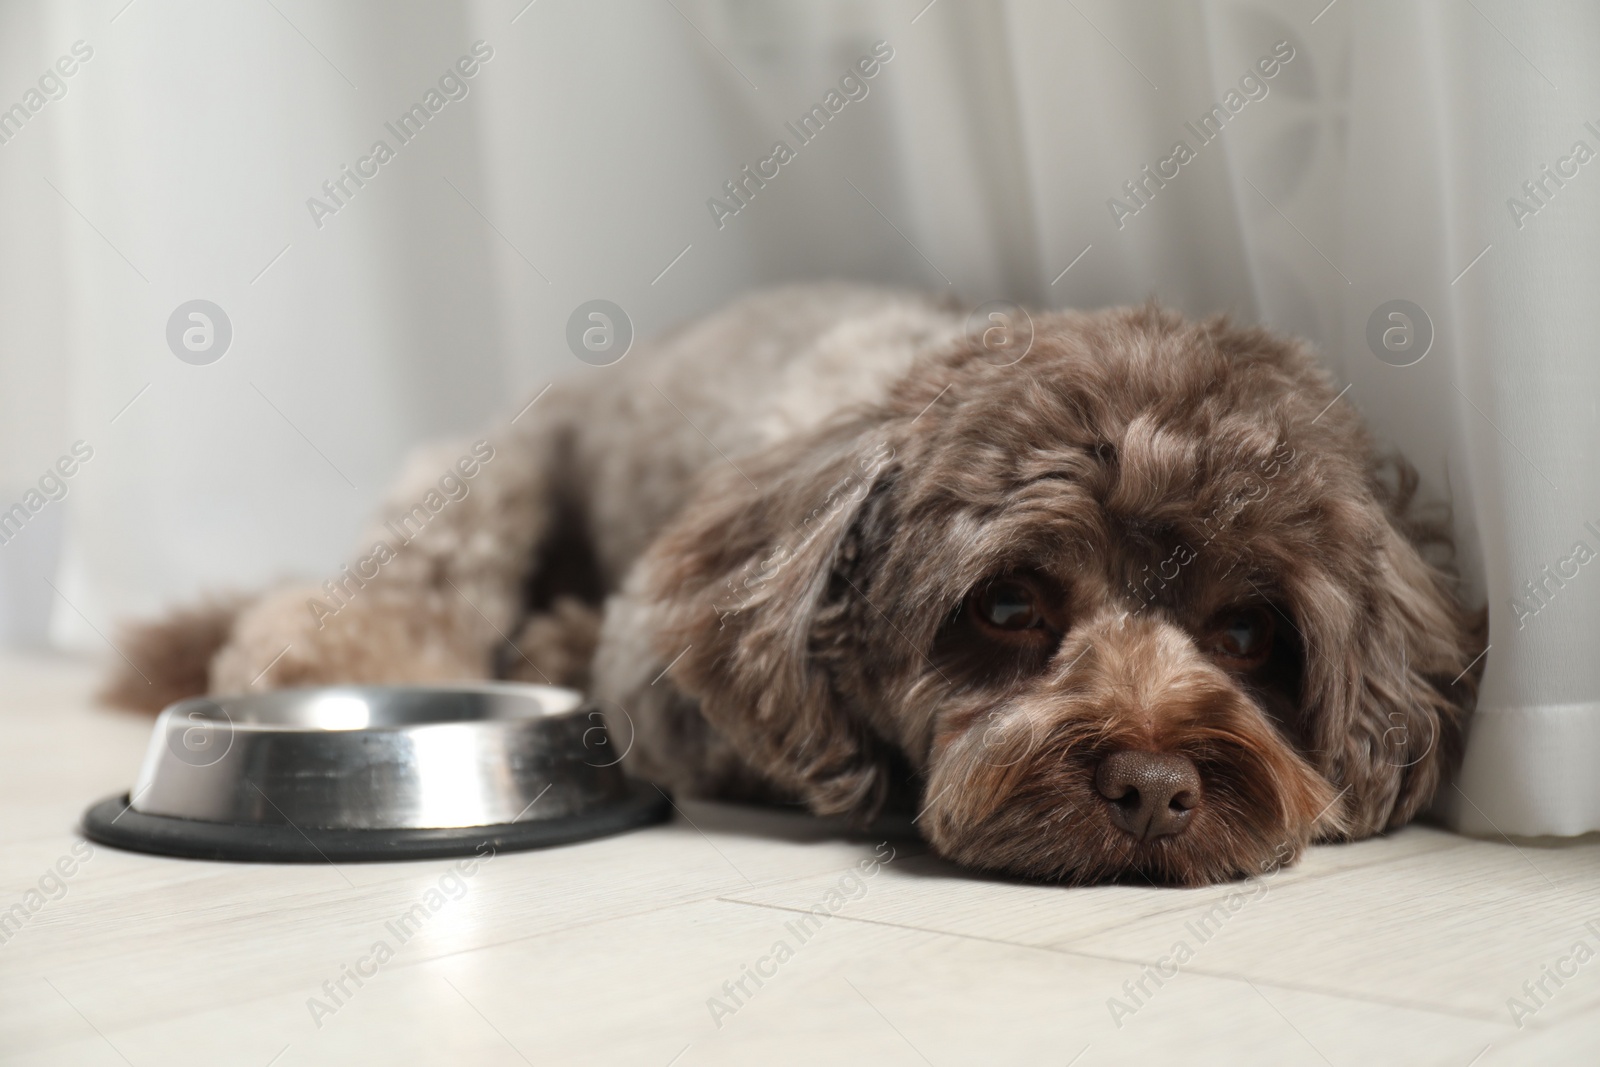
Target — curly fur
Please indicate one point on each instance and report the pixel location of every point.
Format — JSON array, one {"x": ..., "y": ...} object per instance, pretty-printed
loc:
[{"x": 789, "y": 503}]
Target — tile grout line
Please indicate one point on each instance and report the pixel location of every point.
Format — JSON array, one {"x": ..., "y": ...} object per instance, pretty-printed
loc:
[{"x": 1446, "y": 1012}]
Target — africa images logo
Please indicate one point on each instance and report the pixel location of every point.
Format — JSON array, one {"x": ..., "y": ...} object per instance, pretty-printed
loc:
[
  {"x": 1253, "y": 85},
  {"x": 454, "y": 84},
  {"x": 199, "y": 332},
  {"x": 853, "y": 86}
]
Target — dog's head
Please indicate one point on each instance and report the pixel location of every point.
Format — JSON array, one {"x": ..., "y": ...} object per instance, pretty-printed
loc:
[{"x": 1140, "y": 605}]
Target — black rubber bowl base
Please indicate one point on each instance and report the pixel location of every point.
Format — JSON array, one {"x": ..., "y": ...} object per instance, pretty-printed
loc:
[{"x": 112, "y": 822}]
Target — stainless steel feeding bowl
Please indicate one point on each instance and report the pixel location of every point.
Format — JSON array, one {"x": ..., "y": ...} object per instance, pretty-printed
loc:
[{"x": 376, "y": 772}]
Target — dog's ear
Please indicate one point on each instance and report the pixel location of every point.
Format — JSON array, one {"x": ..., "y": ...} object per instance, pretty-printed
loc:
[
  {"x": 1387, "y": 684},
  {"x": 746, "y": 578}
]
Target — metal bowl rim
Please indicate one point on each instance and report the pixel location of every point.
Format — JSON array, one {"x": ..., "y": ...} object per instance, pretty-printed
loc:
[{"x": 532, "y": 692}]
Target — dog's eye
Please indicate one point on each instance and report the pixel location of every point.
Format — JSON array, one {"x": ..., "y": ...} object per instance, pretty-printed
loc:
[
  {"x": 1241, "y": 638},
  {"x": 1006, "y": 628},
  {"x": 1010, "y": 605}
]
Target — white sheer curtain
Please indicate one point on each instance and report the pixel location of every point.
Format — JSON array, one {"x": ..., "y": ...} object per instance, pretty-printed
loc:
[{"x": 1384, "y": 159}]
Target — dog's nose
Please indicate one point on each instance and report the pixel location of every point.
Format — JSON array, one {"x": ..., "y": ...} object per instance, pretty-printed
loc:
[{"x": 1152, "y": 794}]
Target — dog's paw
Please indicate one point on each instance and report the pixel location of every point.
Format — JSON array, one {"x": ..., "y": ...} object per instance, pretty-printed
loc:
[
  {"x": 555, "y": 646},
  {"x": 169, "y": 658},
  {"x": 298, "y": 636}
]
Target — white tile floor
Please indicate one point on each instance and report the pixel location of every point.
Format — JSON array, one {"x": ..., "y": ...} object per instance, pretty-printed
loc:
[{"x": 1398, "y": 951}]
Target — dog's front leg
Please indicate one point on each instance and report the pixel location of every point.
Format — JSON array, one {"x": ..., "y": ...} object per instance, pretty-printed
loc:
[{"x": 431, "y": 594}]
